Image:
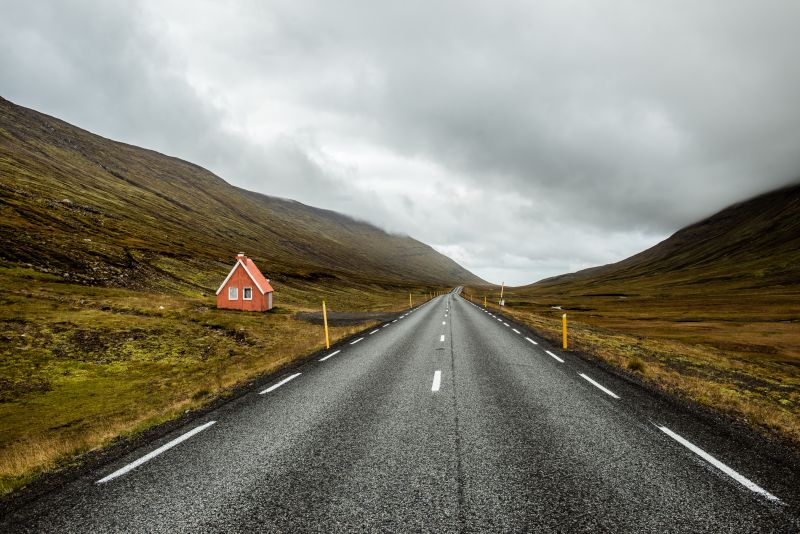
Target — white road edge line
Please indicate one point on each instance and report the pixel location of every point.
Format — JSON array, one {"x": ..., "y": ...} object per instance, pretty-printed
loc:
[
  {"x": 375, "y": 331},
  {"x": 744, "y": 481},
  {"x": 531, "y": 341},
  {"x": 515, "y": 330},
  {"x": 279, "y": 384},
  {"x": 149, "y": 456},
  {"x": 332, "y": 354},
  {"x": 554, "y": 356},
  {"x": 441, "y": 338},
  {"x": 356, "y": 341},
  {"x": 505, "y": 324},
  {"x": 437, "y": 381},
  {"x": 599, "y": 386}
]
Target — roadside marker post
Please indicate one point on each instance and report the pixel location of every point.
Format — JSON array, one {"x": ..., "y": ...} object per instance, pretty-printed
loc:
[
  {"x": 484, "y": 302},
  {"x": 325, "y": 320},
  {"x": 564, "y": 330},
  {"x": 409, "y": 302}
]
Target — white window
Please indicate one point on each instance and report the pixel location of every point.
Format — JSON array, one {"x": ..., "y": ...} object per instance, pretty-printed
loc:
[
  {"x": 233, "y": 293},
  {"x": 247, "y": 293}
]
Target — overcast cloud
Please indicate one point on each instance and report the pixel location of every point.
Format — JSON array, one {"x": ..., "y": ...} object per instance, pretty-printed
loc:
[{"x": 523, "y": 139}]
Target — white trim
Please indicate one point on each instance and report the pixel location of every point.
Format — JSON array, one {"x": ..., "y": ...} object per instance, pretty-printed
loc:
[
  {"x": 244, "y": 297},
  {"x": 240, "y": 262},
  {"x": 231, "y": 291}
]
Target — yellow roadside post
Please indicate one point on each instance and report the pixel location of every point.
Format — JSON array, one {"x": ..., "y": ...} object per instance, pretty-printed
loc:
[
  {"x": 325, "y": 320},
  {"x": 484, "y": 301},
  {"x": 409, "y": 301},
  {"x": 564, "y": 330}
]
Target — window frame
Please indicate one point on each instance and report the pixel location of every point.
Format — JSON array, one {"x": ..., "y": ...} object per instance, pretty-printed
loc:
[
  {"x": 233, "y": 293},
  {"x": 244, "y": 293}
]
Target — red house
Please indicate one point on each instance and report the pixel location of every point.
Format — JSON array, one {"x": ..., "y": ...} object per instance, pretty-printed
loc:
[{"x": 245, "y": 288}]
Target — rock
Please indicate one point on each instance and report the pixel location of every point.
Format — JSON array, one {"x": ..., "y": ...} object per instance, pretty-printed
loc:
[{"x": 66, "y": 201}]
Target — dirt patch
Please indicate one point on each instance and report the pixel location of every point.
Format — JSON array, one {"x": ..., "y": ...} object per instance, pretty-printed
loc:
[{"x": 344, "y": 318}]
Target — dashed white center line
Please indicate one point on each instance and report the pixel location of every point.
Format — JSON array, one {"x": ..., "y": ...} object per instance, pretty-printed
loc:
[
  {"x": 441, "y": 338},
  {"x": 394, "y": 321},
  {"x": 531, "y": 341},
  {"x": 515, "y": 330},
  {"x": 387, "y": 324},
  {"x": 444, "y": 322},
  {"x": 506, "y": 324},
  {"x": 279, "y": 384},
  {"x": 332, "y": 354},
  {"x": 147, "y": 457},
  {"x": 599, "y": 386},
  {"x": 554, "y": 356},
  {"x": 374, "y": 331},
  {"x": 741, "y": 479},
  {"x": 356, "y": 341},
  {"x": 437, "y": 381}
]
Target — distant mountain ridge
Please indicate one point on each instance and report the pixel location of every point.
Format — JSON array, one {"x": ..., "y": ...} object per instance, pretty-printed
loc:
[
  {"x": 751, "y": 244},
  {"x": 108, "y": 213}
]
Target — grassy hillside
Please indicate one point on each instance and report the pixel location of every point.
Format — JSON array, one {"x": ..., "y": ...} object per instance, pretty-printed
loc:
[
  {"x": 711, "y": 314},
  {"x": 109, "y": 261},
  {"x": 107, "y": 213}
]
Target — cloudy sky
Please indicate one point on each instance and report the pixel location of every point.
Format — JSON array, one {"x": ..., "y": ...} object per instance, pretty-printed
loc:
[{"x": 523, "y": 139}]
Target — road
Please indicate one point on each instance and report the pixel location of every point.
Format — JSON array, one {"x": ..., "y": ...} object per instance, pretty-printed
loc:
[{"x": 447, "y": 419}]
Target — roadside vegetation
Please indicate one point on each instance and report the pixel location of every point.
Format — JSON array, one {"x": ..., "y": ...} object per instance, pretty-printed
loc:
[
  {"x": 737, "y": 353},
  {"x": 81, "y": 366}
]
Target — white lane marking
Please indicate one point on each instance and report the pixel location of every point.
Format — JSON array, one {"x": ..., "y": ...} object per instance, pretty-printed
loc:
[
  {"x": 394, "y": 321},
  {"x": 515, "y": 330},
  {"x": 387, "y": 324},
  {"x": 744, "y": 481},
  {"x": 554, "y": 356},
  {"x": 441, "y": 338},
  {"x": 374, "y": 331},
  {"x": 531, "y": 341},
  {"x": 356, "y": 341},
  {"x": 149, "y": 456},
  {"x": 279, "y": 384},
  {"x": 332, "y": 354},
  {"x": 444, "y": 322},
  {"x": 599, "y": 386},
  {"x": 505, "y": 324},
  {"x": 437, "y": 381}
]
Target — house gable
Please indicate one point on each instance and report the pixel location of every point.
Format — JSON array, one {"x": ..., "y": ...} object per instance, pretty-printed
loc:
[{"x": 253, "y": 278}]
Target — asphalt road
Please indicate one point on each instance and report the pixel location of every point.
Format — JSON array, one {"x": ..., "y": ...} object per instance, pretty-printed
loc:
[{"x": 444, "y": 420}]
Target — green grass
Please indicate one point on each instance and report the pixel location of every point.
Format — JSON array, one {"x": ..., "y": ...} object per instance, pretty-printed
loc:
[{"x": 80, "y": 366}]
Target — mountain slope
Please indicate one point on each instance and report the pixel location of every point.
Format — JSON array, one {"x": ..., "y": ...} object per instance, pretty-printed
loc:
[
  {"x": 752, "y": 244},
  {"x": 107, "y": 213}
]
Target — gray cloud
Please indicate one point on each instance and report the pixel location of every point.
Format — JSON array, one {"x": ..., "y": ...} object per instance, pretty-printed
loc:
[{"x": 499, "y": 134}]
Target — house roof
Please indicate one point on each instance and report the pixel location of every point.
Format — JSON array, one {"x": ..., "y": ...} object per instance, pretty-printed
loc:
[{"x": 252, "y": 271}]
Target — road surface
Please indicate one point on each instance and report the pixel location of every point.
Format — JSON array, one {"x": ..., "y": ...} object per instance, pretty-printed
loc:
[{"x": 447, "y": 419}]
